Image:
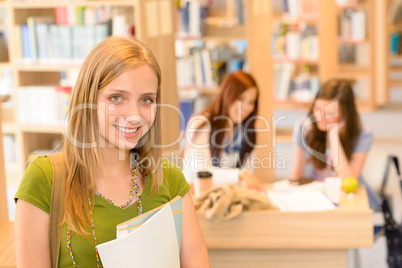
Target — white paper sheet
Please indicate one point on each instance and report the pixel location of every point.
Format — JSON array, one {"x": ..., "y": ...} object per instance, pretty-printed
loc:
[
  {"x": 300, "y": 201},
  {"x": 152, "y": 245}
]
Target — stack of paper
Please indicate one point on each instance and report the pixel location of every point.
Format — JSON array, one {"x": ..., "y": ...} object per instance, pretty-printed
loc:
[{"x": 149, "y": 240}]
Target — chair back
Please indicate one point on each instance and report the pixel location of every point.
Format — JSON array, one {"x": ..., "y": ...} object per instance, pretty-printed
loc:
[{"x": 376, "y": 169}]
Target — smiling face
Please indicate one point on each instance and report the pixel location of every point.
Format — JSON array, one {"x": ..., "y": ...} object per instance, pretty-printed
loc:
[
  {"x": 240, "y": 109},
  {"x": 327, "y": 113},
  {"x": 127, "y": 108}
]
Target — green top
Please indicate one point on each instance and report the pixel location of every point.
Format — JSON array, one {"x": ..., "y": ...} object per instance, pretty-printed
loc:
[{"x": 36, "y": 187}]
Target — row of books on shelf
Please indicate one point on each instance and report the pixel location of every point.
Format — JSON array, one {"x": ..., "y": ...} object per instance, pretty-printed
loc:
[
  {"x": 352, "y": 25},
  {"x": 70, "y": 35},
  {"x": 192, "y": 16},
  {"x": 51, "y": 43},
  {"x": 71, "y": 15},
  {"x": 291, "y": 84},
  {"x": 302, "y": 85},
  {"x": 189, "y": 17},
  {"x": 298, "y": 8},
  {"x": 9, "y": 148},
  {"x": 288, "y": 42},
  {"x": 43, "y": 105},
  {"x": 396, "y": 43},
  {"x": 207, "y": 67}
]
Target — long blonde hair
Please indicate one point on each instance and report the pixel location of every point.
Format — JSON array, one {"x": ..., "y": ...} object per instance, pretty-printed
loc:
[{"x": 109, "y": 59}]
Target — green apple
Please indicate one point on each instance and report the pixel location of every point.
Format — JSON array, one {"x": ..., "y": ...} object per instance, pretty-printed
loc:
[{"x": 350, "y": 184}]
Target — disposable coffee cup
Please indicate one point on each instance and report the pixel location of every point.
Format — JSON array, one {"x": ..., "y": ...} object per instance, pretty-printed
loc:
[
  {"x": 202, "y": 183},
  {"x": 333, "y": 186}
]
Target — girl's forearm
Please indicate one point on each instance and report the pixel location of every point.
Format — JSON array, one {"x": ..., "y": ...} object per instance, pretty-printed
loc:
[{"x": 340, "y": 162}]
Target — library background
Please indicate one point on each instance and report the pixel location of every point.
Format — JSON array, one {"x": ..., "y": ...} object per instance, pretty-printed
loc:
[{"x": 290, "y": 46}]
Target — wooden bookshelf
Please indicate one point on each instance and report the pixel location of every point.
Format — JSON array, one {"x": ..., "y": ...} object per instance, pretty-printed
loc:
[
  {"x": 395, "y": 27},
  {"x": 258, "y": 32},
  {"x": 299, "y": 60},
  {"x": 396, "y": 57},
  {"x": 43, "y": 129},
  {"x": 259, "y": 14},
  {"x": 395, "y": 83},
  {"x": 369, "y": 71},
  {"x": 254, "y": 31},
  {"x": 31, "y": 73},
  {"x": 391, "y": 59},
  {"x": 202, "y": 90},
  {"x": 353, "y": 6},
  {"x": 324, "y": 65},
  {"x": 3, "y": 190},
  {"x": 218, "y": 29},
  {"x": 7, "y": 245},
  {"x": 352, "y": 41},
  {"x": 352, "y": 71},
  {"x": 206, "y": 38},
  {"x": 38, "y": 67},
  {"x": 294, "y": 20},
  {"x": 29, "y": 138},
  {"x": 292, "y": 104}
]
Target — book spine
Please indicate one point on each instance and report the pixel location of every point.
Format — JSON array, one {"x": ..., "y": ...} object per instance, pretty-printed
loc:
[
  {"x": 61, "y": 15},
  {"x": 24, "y": 41}
]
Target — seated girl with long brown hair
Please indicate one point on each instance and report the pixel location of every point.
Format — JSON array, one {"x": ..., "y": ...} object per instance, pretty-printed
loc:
[
  {"x": 332, "y": 141},
  {"x": 223, "y": 135}
]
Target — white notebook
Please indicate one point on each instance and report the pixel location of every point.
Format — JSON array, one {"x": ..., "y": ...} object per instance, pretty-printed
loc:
[{"x": 153, "y": 244}]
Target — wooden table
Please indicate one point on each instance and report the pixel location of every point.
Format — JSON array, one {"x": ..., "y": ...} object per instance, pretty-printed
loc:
[{"x": 291, "y": 239}]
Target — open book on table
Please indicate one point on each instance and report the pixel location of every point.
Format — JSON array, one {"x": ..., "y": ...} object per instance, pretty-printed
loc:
[{"x": 150, "y": 240}]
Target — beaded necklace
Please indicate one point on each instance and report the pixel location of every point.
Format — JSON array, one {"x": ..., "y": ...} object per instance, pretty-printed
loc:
[{"x": 134, "y": 188}]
